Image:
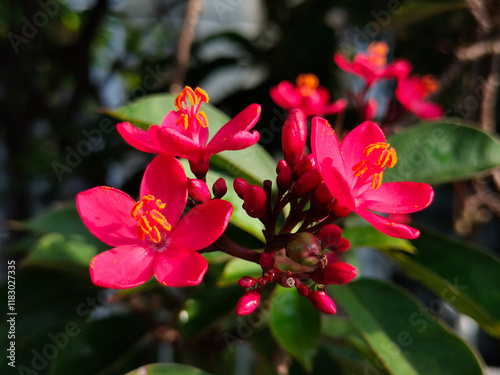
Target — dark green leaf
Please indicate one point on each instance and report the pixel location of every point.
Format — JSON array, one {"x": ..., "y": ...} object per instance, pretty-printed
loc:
[
  {"x": 439, "y": 152},
  {"x": 236, "y": 268},
  {"x": 406, "y": 339},
  {"x": 417, "y": 11},
  {"x": 167, "y": 369},
  {"x": 296, "y": 325},
  {"x": 464, "y": 275}
]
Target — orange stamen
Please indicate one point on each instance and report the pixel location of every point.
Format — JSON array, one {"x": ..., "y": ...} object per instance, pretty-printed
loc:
[
  {"x": 149, "y": 218},
  {"x": 187, "y": 104},
  {"x": 377, "y": 53},
  {"x": 378, "y": 157},
  {"x": 307, "y": 83}
]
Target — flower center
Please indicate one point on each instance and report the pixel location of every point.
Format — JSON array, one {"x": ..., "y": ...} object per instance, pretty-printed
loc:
[
  {"x": 428, "y": 85},
  {"x": 149, "y": 218},
  {"x": 307, "y": 83},
  {"x": 378, "y": 156},
  {"x": 377, "y": 53},
  {"x": 188, "y": 104}
]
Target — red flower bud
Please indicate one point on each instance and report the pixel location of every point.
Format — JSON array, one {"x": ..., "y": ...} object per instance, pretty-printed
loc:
[
  {"x": 240, "y": 186},
  {"x": 335, "y": 273},
  {"x": 247, "y": 282},
  {"x": 266, "y": 261},
  {"x": 284, "y": 179},
  {"x": 322, "y": 302},
  {"x": 219, "y": 188},
  {"x": 330, "y": 234},
  {"x": 342, "y": 245},
  {"x": 306, "y": 183},
  {"x": 371, "y": 109},
  {"x": 303, "y": 249},
  {"x": 294, "y": 136},
  {"x": 198, "y": 190},
  {"x": 303, "y": 290},
  {"x": 322, "y": 198},
  {"x": 248, "y": 302},
  {"x": 255, "y": 201},
  {"x": 281, "y": 164},
  {"x": 305, "y": 165},
  {"x": 340, "y": 211},
  {"x": 199, "y": 168}
]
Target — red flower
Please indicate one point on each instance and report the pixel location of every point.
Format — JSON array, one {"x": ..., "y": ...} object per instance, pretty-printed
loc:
[
  {"x": 353, "y": 172},
  {"x": 184, "y": 132},
  {"x": 412, "y": 92},
  {"x": 147, "y": 236},
  {"x": 308, "y": 96},
  {"x": 372, "y": 66}
]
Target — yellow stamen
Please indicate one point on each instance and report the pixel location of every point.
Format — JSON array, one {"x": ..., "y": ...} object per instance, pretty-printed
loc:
[
  {"x": 201, "y": 94},
  {"x": 377, "y": 53},
  {"x": 191, "y": 110},
  {"x": 203, "y": 121},
  {"x": 375, "y": 163},
  {"x": 149, "y": 218},
  {"x": 307, "y": 83}
]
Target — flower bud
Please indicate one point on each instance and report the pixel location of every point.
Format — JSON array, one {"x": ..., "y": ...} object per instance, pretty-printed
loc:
[
  {"x": 247, "y": 282},
  {"x": 284, "y": 179},
  {"x": 199, "y": 168},
  {"x": 198, "y": 190},
  {"x": 304, "y": 249},
  {"x": 240, "y": 186},
  {"x": 340, "y": 211},
  {"x": 335, "y": 273},
  {"x": 219, "y": 188},
  {"x": 306, "y": 183},
  {"x": 255, "y": 201},
  {"x": 322, "y": 198},
  {"x": 248, "y": 302},
  {"x": 303, "y": 290},
  {"x": 322, "y": 302},
  {"x": 330, "y": 234},
  {"x": 281, "y": 164},
  {"x": 371, "y": 109},
  {"x": 305, "y": 165},
  {"x": 294, "y": 136},
  {"x": 266, "y": 261}
]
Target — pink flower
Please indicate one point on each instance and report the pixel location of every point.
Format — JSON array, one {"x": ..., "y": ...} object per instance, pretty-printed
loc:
[
  {"x": 353, "y": 172},
  {"x": 184, "y": 132},
  {"x": 372, "y": 66},
  {"x": 308, "y": 96},
  {"x": 147, "y": 236},
  {"x": 412, "y": 92}
]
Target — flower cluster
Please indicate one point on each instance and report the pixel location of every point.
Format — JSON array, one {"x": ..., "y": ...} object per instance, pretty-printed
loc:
[{"x": 176, "y": 218}]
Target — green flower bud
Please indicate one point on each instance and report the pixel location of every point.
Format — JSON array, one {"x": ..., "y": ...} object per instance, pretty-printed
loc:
[{"x": 304, "y": 248}]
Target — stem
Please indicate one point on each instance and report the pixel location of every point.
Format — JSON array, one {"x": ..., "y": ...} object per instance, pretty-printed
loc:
[
  {"x": 193, "y": 10},
  {"x": 230, "y": 247}
]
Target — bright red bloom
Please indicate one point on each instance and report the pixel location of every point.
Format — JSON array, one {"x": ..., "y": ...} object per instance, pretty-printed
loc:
[
  {"x": 307, "y": 95},
  {"x": 353, "y": 172},
  {"x": 372, "y": 66},
  {"x": 184, "y": 132},
  {"x": 413, "y": 91},
  {"x": 147, "y": 236}
]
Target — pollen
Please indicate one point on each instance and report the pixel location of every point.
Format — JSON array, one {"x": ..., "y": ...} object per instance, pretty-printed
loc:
[
  {"x": 307, "y": 83},
  {"x": 377, "y": 53},
  {"x": 150, "y": 220},
  {"x": 378, "y": 156},
  {"x": 188, "y": 104}
]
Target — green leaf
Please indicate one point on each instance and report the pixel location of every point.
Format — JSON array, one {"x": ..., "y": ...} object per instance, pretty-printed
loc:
[
  {"x": 296, "y": 325},
  {"x": 439, "y": 152},
  {"x": 406, "y": 339},
  {"x": 253, "y": 164},
  {"x": 236, "y": 268},
  {"x": 417, "y": 11},
  {"x": 367, "y": 236},
  {"x": 466, "y": 276},
  {"x": 167, "y": 369},
  {"x": 61, "y": 250}
]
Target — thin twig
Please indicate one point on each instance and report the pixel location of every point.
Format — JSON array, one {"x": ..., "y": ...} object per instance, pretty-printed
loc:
[
  {"x": 193, "y": 11},
  {"x": 481, "y": 13},
  {"x": 490, "y": 96},
  {"x": 479, "y": 50}
]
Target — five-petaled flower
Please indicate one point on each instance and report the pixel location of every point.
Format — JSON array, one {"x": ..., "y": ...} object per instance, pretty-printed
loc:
[
  {"x": 413, "y": 91},
  {"x": 308, "y": 96},
  {"x": 147, "y": 236},
  {"x": 353, "y": 172},
  {"x": 184, "y": 131},
  {"x": 371, "y": 66}
]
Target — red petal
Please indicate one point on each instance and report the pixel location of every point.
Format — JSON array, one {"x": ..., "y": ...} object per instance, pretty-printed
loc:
[
  {"x": 294, "y": 137},
  {"x": 173, "y": 142},
  {"x": 387, "y": 226},
  {"x": 201, "y": 226},
  {"x": 107, "y": 214},
  {"x": 285, "y": 95},
  {"x": 397, "y": 197},
  {"x": 325, "y": 144},
  {"x": 137, "y": 138},
  {"x": 335, "y": 107},
  {"x": 122, "y": 267},
  {"x": 180, "y": 268},
  {"x": 166, "y": 180}
]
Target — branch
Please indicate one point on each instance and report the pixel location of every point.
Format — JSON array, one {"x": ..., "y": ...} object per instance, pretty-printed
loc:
[
  {"x": 230, "y": 247},
  {"x": 479, "y": 50},
  {"x": 490, "y": 96},
  {"x": 193, "y": 10}
]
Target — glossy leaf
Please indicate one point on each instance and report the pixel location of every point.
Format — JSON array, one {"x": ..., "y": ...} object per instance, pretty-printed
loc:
[
  {"x": 405, "y": 337},
  {"x": 236, "y": 268},
  {"x": 253, "y": 163},
  {"x": 439, "y": 152},
  {"x": 466, "y": 276},
  {"x": 167, "y": 369},
  {"x": 367, "y": 236},
  {"x": 296, "y": 325}
]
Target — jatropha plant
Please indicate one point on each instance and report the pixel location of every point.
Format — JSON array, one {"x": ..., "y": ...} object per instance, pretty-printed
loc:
[{"x": 175, "y": 219}]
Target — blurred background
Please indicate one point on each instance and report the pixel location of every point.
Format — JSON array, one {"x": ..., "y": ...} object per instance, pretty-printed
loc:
[{"x": 64, "y": 62}]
